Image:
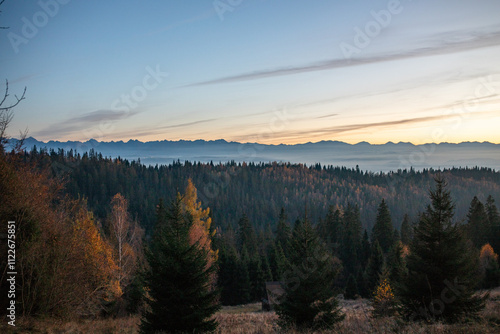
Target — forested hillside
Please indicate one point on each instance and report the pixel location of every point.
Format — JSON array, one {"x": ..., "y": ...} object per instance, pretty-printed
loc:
[{"x": 260, "y": 190}]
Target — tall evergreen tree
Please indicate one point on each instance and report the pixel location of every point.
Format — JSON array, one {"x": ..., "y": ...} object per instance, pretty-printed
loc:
[
  {"x": 309, "y": 295},
  {"x": 383, "y": 231},
  {"x": 494, "y": 222},
  {"x": 406, "y": 230},
  {"x": 442, "y": 268},
  {"x": 278, "y": 262},
  {"x": 283, "y": 232},
  {"x": 351, "y": 239},
  {"x": 330, "y": 229},
  {"x": 396, "y": 263},
  {"x": 478, "y": 225},
  {"x": 246, "y": 235},
  {"x": 229, "y": 275},
  {"x": 375, "y": 266},
  {"x": 181, "y": 295},
  {"x": 365, "y": 249}
]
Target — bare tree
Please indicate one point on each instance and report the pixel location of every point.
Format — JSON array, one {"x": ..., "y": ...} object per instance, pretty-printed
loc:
[
  {"x": 128, "y": 236},
  {"x": 6, "y": 113}
]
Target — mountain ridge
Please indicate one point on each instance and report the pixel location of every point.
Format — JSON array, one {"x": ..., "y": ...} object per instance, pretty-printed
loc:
[{"x": 371, "y": 157}]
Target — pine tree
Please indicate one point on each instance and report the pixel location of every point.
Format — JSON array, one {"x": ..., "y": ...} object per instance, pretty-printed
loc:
[
  {"x": 330, "y": 229},
  {"x": 494, "y": 222},
  {"x": 229, "y": 275},
  {"x": 396, "y": 264},
  {"x": 383, "y": 231},
  {"x": 256, "y": 275},
  {"x": 351, "y": 239},
  {"x": 244, "y": 283},
  {"x": 442, "y": 268},
  {"x": 365, "y": 249},
  {"x": 478, "y": 227},
  {"x": 181, "y": 297},
  {"x": 283, "y": 232},
  {"x": 278, "y": 262},
  {"x": 406, "y": 230},
  {"x": 309, "y": 295},
  {"x": 375, "y": 266},
  {"x": 246, "y": 235}
]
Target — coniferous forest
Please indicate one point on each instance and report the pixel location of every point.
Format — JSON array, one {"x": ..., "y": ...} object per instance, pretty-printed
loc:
[{"x": 138, "y": 234}]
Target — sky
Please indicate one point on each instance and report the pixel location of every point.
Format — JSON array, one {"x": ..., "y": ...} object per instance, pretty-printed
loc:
[{"x": 266, "y": 71}]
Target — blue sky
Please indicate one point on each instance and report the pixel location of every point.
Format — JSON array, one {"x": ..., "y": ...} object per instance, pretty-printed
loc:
[{"x": 267, "y": 71}]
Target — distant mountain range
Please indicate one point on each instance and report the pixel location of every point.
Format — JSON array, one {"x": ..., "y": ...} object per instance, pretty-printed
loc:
[{"x": 375, "y": 158}]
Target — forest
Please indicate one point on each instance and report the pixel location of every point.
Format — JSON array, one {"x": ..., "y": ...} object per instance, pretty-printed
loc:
[{"x": 99, "y": 221}]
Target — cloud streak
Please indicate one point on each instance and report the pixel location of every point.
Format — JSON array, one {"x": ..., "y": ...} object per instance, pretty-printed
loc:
[
  {"x": 466, "y": 43},
  {"x": 84, "y": 122},
  {"x": 335, "y": 130}
]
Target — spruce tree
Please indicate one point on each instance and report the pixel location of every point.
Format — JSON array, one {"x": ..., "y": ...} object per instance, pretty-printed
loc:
[
  {"x": 246, "y": 235},
  {"x": 478, "y": 226},
  {"x": 278, "y": 262},
  {"x": 309, "y": 294},
  {"x": 383, "y": 231},
  {"x": 442, "y": 267},
  {"x": 351, "y": 239},
  {"x": 494, "y": 222},
  {"x": 181, "y": 296},
  {"x": 229, "y": 275},
  {"x": 244, "y": 283},
  {"x": 283, "y": 232},
  {"x": 375, "y": 266},
  {"x": 330, "y": 229},
  {"x": 406, "y": 230}
]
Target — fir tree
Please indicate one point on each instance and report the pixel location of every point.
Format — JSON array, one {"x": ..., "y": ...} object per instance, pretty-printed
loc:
[
  {"x": 383, "y": 231},
  {"x": 365, "y": 249},
  {"x": 308, "y": 300},
  {"x": 278, "y": 261},
  {"x": 181, "y": 296},
  {"x": 442, "y": 268},
  {"x": 256, "y": 275},
  {"x": 406, "y": 230},
  {"x": 330, "y": 229},
  {"x": 283, "y": 232},
  {"x": 246, "y": 235},
  {"x": 243, "y": 282},
  {"x": 375, "y": 266},
  {"x": 229, "y": 275},
  {"x": 478, "y": 227},
  {"x": 494, "y": 222},
  {"x": 351, "y": 238},
  {"x": 396, "y": 264}
]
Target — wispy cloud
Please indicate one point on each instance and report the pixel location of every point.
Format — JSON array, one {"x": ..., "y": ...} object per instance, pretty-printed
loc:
[
  {"x": 84, "y": 122},
  {"x": 159, "y": 130},
  {"x": 439, "y": 46},
  {"x": 336, "y": 130}
]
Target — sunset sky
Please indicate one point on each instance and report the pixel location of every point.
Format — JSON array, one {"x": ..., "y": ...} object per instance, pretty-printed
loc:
[{"x": 267, "y": 71}]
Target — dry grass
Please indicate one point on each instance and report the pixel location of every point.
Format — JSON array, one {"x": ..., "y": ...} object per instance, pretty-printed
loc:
[{"x": 249, "y": 319}]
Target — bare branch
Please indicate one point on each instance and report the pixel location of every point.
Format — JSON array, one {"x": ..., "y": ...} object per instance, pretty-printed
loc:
[{"x": 18, "y": 99}]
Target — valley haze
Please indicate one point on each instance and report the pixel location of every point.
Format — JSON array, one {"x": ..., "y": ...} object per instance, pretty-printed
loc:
[{"x": 369, "y": 157}]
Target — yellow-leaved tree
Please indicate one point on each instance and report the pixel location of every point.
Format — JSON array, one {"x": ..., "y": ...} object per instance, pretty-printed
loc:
[{"x": 201, "y": 220}]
